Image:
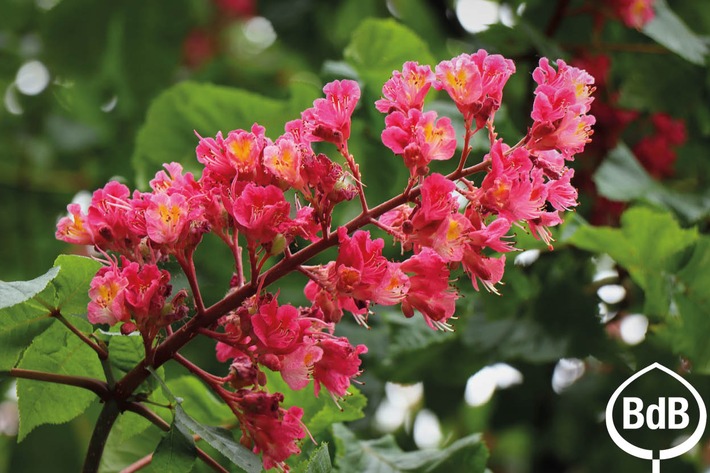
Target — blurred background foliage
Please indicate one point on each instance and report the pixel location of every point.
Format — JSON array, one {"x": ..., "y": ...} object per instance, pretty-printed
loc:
[{"x": 94, "y": 90}]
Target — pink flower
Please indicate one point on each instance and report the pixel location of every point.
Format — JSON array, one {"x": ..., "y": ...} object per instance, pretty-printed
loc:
[
  {"x": 271, "y": 429},
  {"x": 429, "y": 291},
  {"x": 329, "y": 118},
  {"x": 148, "y": 286},
  {"x": 243, "y": 150},
  {"x": 562, "y": 101},
  {"x": 166, "y": 217},
  {"x": 297, "y": 366},
  {"x": 512, "y": 189},
  {"x": 107, "y": 293},
  {"x": 340, "y": 362},
  {"x": 488, "y": 270},
  {"x": 407, "y": 89},
  {"x": 261, "y": 212},
  {"x": 634, "y": 13},
  {"x": 73, "y": 229},
  {"x": 283, "y": 160},
  {"x": 419, "y": 138},
  {"x": 279, "y": 329},
  {"x": 107, "y": 218},
  {"x": 475, "y": 83}
]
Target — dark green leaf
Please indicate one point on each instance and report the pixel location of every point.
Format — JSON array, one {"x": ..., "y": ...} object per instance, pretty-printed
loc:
[
  {"x": 670, "y": 31},
  {"x": 221, "y": 440},
  {"x": 622, "y": 178},
  {"x": 176, "y": 452},
  {"x": 12, "y": 293},
  {"x": 384, "y": 455},
  {"x": 199, "y": 401},
  {"x": 56, "y": 351}
]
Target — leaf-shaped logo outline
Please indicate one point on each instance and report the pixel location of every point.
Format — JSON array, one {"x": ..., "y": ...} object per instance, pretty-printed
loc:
[{"x": 644, "y": 453}]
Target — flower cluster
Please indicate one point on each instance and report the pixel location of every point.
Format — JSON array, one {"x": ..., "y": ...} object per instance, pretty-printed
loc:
[{"x": 442, "y": 223}]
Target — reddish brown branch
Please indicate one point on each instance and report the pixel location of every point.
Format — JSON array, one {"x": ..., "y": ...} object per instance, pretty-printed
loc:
[{"x": 96, "y": 386}]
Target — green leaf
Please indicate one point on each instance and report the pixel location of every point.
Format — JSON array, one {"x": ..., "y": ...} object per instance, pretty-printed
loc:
[
  {"x": 169, "y": 131},
  {"x": 176, "y": 452},
  {"x": 670, "y": 31},
  {"x": 379, "y": 47},
  {"x": 321, "y": 412},
  {"x": 318, "y": 461},
  {"x": 646, "y": 245},
  {"x": 199, "y": 401},
  {"x": 221, "y": 440},
  {"x": 384, "y": 456},
  {"x": 19, "y": 325},
  {"x": 71, "y": 285},
  {"x": 218, "y": 438},
  {"x": 622, "y": 178},
  {"x": 12, "y": 293},
  {"x": 56, "y": 351},
  {"x": 64, "y": 287}
]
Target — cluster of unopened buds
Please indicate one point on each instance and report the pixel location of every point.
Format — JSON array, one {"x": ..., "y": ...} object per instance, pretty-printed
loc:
[{"x": 443, "y": 222}]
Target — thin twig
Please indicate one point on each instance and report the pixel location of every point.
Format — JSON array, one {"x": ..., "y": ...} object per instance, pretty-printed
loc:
[{"x": 96, "y": 386}]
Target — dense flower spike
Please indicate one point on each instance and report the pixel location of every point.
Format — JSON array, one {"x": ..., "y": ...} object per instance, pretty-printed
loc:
[{"x": 266, "y": 198}]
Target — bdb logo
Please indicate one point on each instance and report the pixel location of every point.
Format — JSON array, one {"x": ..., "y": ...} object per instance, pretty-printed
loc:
[{"x": 667, "y": 413}]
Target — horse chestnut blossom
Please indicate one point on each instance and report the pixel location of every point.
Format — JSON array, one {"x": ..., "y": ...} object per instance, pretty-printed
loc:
[{"x": 273, "y": 201}]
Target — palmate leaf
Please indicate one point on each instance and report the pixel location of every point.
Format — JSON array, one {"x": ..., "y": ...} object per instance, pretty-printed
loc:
[
  {"x": 318, "y": 461},
  {"x": 65, "y": 290},
  {"x": 55, "y": 351},
  {"x": 384, "y": 456}
]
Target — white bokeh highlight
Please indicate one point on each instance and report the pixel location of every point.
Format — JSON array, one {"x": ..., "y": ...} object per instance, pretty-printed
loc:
[
  {"x": 427, "y": 430},
  {"x": 477, "y": 15},
  {"x": 567, "y": 372},
  {"x": 611, "y": 293},
  {"x": 482, "y": 385},
  {"x": 633, "y": 328},
  {"x": 32, "y": 78}
]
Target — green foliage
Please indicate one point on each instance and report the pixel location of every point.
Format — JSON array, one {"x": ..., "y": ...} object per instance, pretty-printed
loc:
[
  {"x": 670, "y": 31},
  {"x": 383, "y": 455},
  {"x": 63, "y": 288},
  {"x": 176, "y": 452},
  {"x": 318, "y": 461},
  {"x": 55, "y": 351},
  {"x": 648, "y": 245}
]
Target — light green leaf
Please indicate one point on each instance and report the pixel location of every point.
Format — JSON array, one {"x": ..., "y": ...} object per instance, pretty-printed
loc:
[
  {"x": 199, "y": 401},
  {"x": 71, "y": 285},
  {"x": 670, "y": 31},
  {"x": 318, "y": 461},
  {"x": 221, "y": 440},
  {"x": 321, "y": 412},
  {"x": 176, "y": 452},
  {"x": 647, "y": 245},
  {"x": 379, "y": 47},
  {"x": 19, "y": 325},
  {"x": 16, "y": 292},
  {"x": 169, "y": 131},
  {"x": 56, "y": 351},
  {"x": 384, "y": 455}
]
